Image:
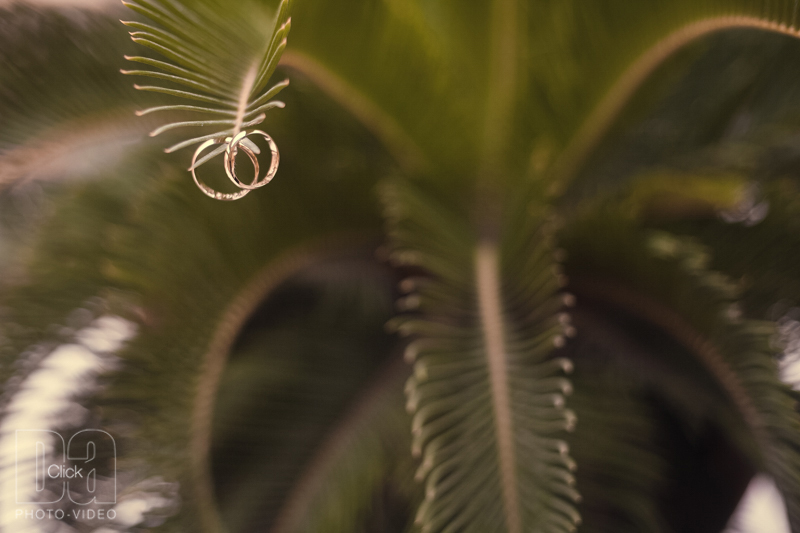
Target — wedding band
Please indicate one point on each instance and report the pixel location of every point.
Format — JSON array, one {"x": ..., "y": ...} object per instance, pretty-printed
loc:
[
  {"x": 230, "y": 160},
  {"x": 208, "y": 191}
]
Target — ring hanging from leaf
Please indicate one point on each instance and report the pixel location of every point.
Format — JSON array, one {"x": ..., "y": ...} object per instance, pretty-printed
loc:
[
  {"x": 230, "y": 146},
  {"x": 225, "y": 59},
  {"x": 230, "y": 159},
  {"x": 208, "y": 191}
]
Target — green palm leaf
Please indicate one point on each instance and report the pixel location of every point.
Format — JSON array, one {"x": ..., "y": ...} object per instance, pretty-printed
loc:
[
  {"x": 487, "y": 398},
  {"x": 488, "y": 93},
  {"x": 547, "y": 81},
  {"x": 291, "y": 398},
  {"x": 667, "y": 281},
  {"x": 188, "y": 287},
  {"x": 763, "y": 256},
  {"x": 220, "y": 61},
  {"x": 588, "y": 91},
  {"x": 620, "y": 477},
  {"x": 65, "y": 119}
]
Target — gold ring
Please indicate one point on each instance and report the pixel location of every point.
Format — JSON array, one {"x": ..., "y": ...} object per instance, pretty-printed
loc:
[
  {"x": 230, "y": 160},
  {"x": 208, "y": 191}
]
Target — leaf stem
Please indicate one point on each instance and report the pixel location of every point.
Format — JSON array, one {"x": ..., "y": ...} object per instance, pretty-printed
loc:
[
  {"x": 611, "y": 105},
  {"x": 244, "y": 97},
  {"x": 230, "y": 323},
  {"x": 395, "y": 138},
  {"x": 487, "y": 274}
]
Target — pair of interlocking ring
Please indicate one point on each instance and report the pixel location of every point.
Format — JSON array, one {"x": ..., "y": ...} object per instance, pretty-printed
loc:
[{"x": 233, "y": 144}]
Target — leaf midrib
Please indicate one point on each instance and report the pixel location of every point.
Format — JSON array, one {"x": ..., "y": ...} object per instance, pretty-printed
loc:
[
  {"x": 244, "y": 96},
  {"x": 600, "y": 120},
  {"x": 487, "y": 278}
]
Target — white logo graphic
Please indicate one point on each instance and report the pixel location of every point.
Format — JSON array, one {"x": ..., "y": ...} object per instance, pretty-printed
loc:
[{"x": 72, "y": 472}]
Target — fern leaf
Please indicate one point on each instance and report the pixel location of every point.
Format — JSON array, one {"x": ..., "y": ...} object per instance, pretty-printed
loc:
[{"x": 224, "y": 64}]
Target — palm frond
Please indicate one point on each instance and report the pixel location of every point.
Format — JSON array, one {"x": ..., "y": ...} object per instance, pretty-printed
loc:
[
  {"x": 587, "y": 91},
  {"x": 293, "y": 391},
  {"x": 188, "y": 287},
  {"x": 430, "y": 108},
  {"x": 219, "y": 62},
  {"x": 667, "y": 281},
  {"x": 763, "y": 255},
  {"x": 66, "y": 112},
  {"x": 740, "y": 130},
  {"x": 584, "y": 64},
  {"x": 362, "y": 476},
  {"x": 487, "y": 398},
  {"x": 620, "y": 475}
]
